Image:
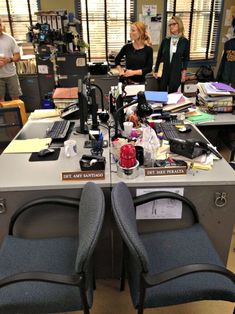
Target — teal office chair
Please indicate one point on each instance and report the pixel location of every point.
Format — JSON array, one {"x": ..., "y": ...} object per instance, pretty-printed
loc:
[
  {"x": 50, "y": 275},
  {"x": 168, "y": 267}
]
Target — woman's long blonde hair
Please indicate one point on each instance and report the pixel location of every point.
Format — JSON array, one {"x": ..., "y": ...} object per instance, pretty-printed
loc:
[
  {"x": 144, "y": 35},
  {"x": 178, "y": 20}
]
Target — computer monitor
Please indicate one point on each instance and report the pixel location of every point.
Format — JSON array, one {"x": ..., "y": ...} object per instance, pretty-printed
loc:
[{"x": 83, "y": 107}]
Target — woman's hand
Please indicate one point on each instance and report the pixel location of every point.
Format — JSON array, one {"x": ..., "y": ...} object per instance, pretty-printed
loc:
[
  {"x": 120, "y": 70},
  {"x": 183, "y": 75},
  {"x": 128, "y": 73},
  {"x": 155, "y": 75}
]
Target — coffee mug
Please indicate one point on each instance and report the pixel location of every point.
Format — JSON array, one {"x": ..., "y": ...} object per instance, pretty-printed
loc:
[
  {"x": 128, "y": 126},
  {"x": 70, "y": 148}
]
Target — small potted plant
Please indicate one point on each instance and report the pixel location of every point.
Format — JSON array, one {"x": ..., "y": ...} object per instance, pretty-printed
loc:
[{"x": 83, "y": 46}]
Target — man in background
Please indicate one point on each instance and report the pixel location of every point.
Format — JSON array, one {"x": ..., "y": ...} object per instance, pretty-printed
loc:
[{"x": 9, "y": 54}]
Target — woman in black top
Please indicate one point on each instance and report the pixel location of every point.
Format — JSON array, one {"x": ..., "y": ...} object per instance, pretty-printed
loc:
[
  {"x": 138, "y": 55},
  {"x": 172, "y": 59}
]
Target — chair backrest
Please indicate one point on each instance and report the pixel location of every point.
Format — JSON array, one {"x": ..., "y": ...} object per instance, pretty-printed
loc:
[
  {"x": 124, "y": 213},
  {"x": 91, "y": 216}
]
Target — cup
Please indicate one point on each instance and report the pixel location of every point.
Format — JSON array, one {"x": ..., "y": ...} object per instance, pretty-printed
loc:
[
  {"x": 128, "y": 126},
  {"x": 70, "y": 148}
]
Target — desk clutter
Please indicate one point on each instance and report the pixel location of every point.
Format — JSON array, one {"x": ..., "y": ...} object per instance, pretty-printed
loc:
[
  {"x": 153, "y": 135},
  {"x": 158, "y": 156},
  {"x": 170, "y": 144}
]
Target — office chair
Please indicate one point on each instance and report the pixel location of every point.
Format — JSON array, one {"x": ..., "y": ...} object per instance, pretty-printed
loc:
[
  {"x": 48, "y": 275},
  {"x": 10, "y": 125},
  {"x": 168, "y": 267}
]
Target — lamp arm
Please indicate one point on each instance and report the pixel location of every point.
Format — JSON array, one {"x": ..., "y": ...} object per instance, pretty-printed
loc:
[{"x": 133, "y": 102}]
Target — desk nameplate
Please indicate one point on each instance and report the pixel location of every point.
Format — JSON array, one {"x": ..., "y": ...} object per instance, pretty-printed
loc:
[
  {"x": 83, "y": 175},
  {"x": 165, "y": 171}
]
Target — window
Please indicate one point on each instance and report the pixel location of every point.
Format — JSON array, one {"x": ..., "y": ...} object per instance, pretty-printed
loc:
[
  {"x": 202, "y": 24},
  {"x": 17, "y": 16},
  {"x": 105, "y": 25}
]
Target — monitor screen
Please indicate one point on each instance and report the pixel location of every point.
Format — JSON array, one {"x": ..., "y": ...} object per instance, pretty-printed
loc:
[{"x": 83, "y": 107}]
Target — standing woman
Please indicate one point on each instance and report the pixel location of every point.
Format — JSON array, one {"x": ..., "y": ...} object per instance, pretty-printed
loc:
[
  {"x": 172, "y": 59},
  {"x": 138, "y": 55}
]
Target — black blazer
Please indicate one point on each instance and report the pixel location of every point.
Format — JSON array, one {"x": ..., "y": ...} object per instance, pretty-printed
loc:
[{"x": 171, "y": 76}]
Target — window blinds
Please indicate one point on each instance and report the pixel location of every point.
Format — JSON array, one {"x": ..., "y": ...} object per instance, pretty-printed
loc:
[
  {"x": 201, "y": 21},
  {"x": 105, "y": 25},
  {"x": 16, "y": 15}
]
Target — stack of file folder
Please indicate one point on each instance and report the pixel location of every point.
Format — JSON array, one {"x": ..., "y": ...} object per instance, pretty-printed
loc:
[{"x": 216, "y": 97}]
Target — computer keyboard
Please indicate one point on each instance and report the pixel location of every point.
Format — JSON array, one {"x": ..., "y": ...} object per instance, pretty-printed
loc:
[
  {"x": 168, "y": 129},
  {"x": 59, "y": 130}
]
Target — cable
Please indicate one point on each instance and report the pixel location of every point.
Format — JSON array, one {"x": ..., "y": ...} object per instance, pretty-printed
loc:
[{"x": 101, "y": 94}]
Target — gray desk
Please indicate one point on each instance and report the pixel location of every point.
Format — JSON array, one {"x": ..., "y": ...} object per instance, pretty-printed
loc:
[
  {"x": 220, "y": 119},
  {"x": 201, "y": 187},
  {"x": 22, "y": 181},
  {"x": 211, "y": 129}
]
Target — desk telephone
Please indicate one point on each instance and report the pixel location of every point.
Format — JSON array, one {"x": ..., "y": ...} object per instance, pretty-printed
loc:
[
  {"x": 192, "y": 148},
  {"x": 70, "y": 112}
]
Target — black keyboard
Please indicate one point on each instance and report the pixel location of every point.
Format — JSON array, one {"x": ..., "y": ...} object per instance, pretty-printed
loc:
[
  {"x": 59, "y": 130},
  {"x": 168, "y": 129}
]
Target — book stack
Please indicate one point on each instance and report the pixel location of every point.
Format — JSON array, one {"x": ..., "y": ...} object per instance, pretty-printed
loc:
[
  {"x": 216, "y": 97},
  {"x": 177, "y": 103},
  {"x": 63, "y": 97}
]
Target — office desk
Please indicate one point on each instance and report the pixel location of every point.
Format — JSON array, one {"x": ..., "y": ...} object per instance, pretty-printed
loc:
[
  {"x": 211, "y": 129},
  {"x": 220, "y": 119},
  {"x": 201, "y": 187},
  {"x": 22, "y": 181}
]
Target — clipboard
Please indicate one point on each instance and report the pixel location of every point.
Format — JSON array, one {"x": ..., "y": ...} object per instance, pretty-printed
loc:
[{"x": 160, "y": 70}]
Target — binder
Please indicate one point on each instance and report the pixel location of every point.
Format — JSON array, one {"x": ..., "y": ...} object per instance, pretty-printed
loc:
[{"x": 160, "y": 70}]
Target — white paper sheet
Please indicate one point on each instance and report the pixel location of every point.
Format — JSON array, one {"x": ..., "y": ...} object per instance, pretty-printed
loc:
[{"x": 160, "y": 209}]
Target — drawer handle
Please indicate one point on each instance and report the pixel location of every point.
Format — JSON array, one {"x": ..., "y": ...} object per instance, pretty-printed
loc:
[
  {"x": 2, "y": 206},
  {"x": 220, "y": 199}
]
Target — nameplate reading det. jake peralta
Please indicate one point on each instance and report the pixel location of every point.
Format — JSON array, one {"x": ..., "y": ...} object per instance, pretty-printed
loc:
[
  {"x": 165, "y": 171},
  {"x": 83, "y": 175}
]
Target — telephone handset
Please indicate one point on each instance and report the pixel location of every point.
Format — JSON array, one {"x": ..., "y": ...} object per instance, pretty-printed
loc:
[
  {"x": 70, "y": 112},
  {"x": 191, "y": 148}
]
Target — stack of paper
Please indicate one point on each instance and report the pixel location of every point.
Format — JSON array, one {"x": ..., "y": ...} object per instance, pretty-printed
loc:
[
  {"x": 215, "y": 96},
  {"x": 177, "y": 103},
  {"x": 27, "y": 146},
  {"x": 62, "y": 97},
  {"x": 44, "y": 113}
]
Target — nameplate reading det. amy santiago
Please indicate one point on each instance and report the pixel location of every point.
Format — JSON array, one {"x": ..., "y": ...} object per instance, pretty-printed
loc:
[
  {"x": 165, "y": 171},
  {"x": 83, "y": 175}
]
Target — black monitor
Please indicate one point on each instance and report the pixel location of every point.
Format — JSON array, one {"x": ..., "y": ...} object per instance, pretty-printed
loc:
[{"x": 83, "y": 106}]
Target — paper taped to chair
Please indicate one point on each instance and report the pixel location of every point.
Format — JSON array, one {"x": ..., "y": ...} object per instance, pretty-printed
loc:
[{"x": 162, "y": 208}]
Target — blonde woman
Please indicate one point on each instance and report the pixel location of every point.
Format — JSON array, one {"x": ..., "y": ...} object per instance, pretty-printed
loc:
[
  {"x": 138, "y": 55},
  {"x": 172, "y": 59}
]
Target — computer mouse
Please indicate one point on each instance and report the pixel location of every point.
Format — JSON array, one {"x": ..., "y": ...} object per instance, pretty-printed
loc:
[
  {"x": 45, "y": 152},
  {"x": 185, "y": 129}
]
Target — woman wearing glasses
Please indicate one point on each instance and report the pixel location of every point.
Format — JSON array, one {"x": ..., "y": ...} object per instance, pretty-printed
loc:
[{"x": 172, "y": 59}]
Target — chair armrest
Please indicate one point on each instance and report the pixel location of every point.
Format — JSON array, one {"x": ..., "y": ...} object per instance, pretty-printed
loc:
[
  {"x": 72, "y": 280},
  {"x": 157, "y": 279},
  {"x": 59, "y": 200},
  {"x": 148, "y": 197}
]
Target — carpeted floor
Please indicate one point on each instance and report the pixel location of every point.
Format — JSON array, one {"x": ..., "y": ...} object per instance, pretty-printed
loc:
[{"x": 108, "y": 299}]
